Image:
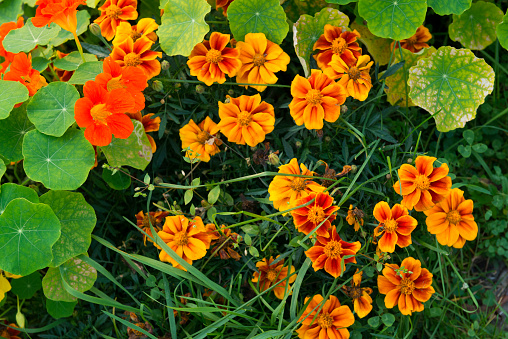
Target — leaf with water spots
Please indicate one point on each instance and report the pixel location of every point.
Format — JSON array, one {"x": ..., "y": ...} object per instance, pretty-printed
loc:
[
  {"x": 12, "y": 132},
  {"x": 10, "y": 191},
  {"x": 446, "y": 7},
  {"x": 11, "y": 93},
  {"x": 26, "y": 38}
]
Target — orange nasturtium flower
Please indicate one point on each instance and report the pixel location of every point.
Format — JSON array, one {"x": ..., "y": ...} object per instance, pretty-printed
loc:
[
  {"x": 408, "y": 286},
  {"x": 224, "y": 4},
  {"x": 395, "y": 226},
  {"x": 361, "y": 295},
  {"x": 211, "y": 60},
  {"x": 332, "y": 320},
  {"x": 143, "y": 221},
  {"x": 355, "y": 216},
  {"x": 334, "y": 41},
  {"x": 101, "y": 113},
  {"x": 200, "y": 139},
  {"x": 21, "y": 71},
  {"x": 286, "y": 190},
  {"x": 113, "y": 12},
  {"x": 451, "y": 220},
  {"x": 423, "y": 186},
  {"x": 307, "y": 218},
  {"x": 4, "y": 30},
  {"x": 328, "y": 253},
  {"x": 145, "y": 28},
  {"x": 315, "y": 99},
  {"x": 261, "y": 58},
  {"x": 138, "y": 54},
  {"x": 149, "y": 124},
  {"x": 246, "y": 119},
  {"x": 355, "y": 77},
  {"x": 417, "y": 42},
  {"x": 61, "y": 12},
  {"x": 274, "y": 275}
]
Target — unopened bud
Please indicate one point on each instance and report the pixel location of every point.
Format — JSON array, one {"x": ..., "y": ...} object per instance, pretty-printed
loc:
[
  {"x": 178, "y": 85},
  {"x": 273, "y": 159},
  {"x": 388, "y": 176},
  {"x": 164, "y": 65},
  {"x": 163, "y": 101},
  {"x": 328, "y": 139},
  {"x": 354, "y": 168},
  {"x": 158, "y": 181},
  {"x": 20, "y": 319},
  {"x": 409, "y": 160},
  {"x": 231, "y": 92},
  {"x": 95, "y": 29},
  {"x": 298, "y": 144},
  {"x": 200, "y": 89},
  {"x": 343, "y": 109},
  {"x": 157, "y": 86}
]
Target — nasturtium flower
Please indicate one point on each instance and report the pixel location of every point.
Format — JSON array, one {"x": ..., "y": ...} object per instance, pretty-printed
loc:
[
  {"x": 395, "y": 226},
  {"x": 451, "y": 220},
  {"x": 274, "y": 275},
  {"x": 4, "y": 30},
  {"x": 143, "y": 221},
  {"x": 200, "y": 140},
  {"x": 335, "y": 41},
  {"x": 224, "y": 242},
  {"x": 417, "y": 42},
  {"x": 145, "y": 28},
  {"x": 9, "y": 332},
  {"x": 113, "y": 12},
  {"x": 355, "y": 217},
  {"x": 355, "y": 77},
  {"x": 5, "y": 286},
  {"x": 321, "y": 210},
  {"x": 149, "y": 124},
  {"x": 424, "y": 186},
  {"x": 246, "y": 119},
  {"x": 261, "y": 58},
  {"x": 138, "y": 54},
  {"x": 210, "y": 61},
  {"x": 407, "y": 286},
  {"x": 332, "y": 320},
  {"x": 362, "y": 301},
  {"x": 224, "y": 4},
  {"x": 21, "y": 70},
  {"x": 315, "y": 99},
  {"x": 61, "y": 12}
]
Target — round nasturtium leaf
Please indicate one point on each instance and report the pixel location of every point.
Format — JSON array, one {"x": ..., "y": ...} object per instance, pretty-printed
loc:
[
  {"x": 393, "y": 19},
  {"x": 453, "y": 82},
  {"x": 26, "y": 287},
  {"x": 10, "y": 10},
  {"x": 117, "y": 181},
  {"x": 51, "y": 109},
  {"x": 11, "y": 93},
  {"x": 10, "y": 191},
  {"x": 59, "y": 163},
  {"x": 26, "y": 38},
  {"x": 60, "y": 309},
  {"x": 40, "y": 63},
  {"x": 27, "y": 233},
  {"x": 340, "y": 2},
  {"x": 447, "y": 7},
  {"x": 12, "y": 132},
  {"x": 502, "y": 31},
  {"x": 85, "y": 72},
  {"x": 83, "y": 20},
  {"x": 258, "y": 16},
  {"x": 476, "y": 27},
  {"x": 183, "y": 26},
  {"x": 72, "y": 61},
  {"x": 2, "y": 168},
  {"x": 77, "y": 218},
  {"x": 379, "y": 48}
]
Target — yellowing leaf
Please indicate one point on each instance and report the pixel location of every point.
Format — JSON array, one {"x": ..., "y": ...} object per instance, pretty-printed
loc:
[{"x": 379, "y": 48}]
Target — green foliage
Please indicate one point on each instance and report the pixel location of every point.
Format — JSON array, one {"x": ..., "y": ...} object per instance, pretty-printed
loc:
[
  {"x": 72, "y": 61},
  {"x": 11, "y": 93},
  {"x": 26, "y": 38},
  {"x": 12, "y": 132},
  {"x": 118, "y": 180},
  {"x": 10, "y": 191},
  {"x": 83, "y": 18},
  {"x": 9, "y": 10},
  {"x": 378, "y": 48},
  {"x": 85, "y": 72},
  {"x": 449, "y": 7},
  {"x": 502, "y": 31},
  {"x": 60, "y": 309},
  {"x": 26, "y": 287}
]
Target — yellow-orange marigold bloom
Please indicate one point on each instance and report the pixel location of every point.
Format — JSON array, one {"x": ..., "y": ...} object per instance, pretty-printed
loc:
[
  {"x": 423, "y": 186},
  {"x": 332, "y": 320},
  {"x": 246, "y": 119},
  {"x": 408, "y": 286},
  {"x": 417, "y": 42},
  {"x": 286, "y": 190},
  {"x": 138, "y": 54},
  {"x": 451, "y": 220},
  {"x": 200, "y": 139},
  {"x": 328, "y": 253},
  {"x": 361, "y": 295},
  {"x": 113, "y": 12},
  {"x": 334, "y": 41},
  {"x": 143, "y": 221},
  {"x": 307, "y": 218},
  {"x": 355, "y": 78},
  {"x": 145, "y": 28},
  {"x": 355, "y": 217},
  {"x": 61, "y": 12},
  {"x": 395, "y": 226},
  {"x": 261, "y": 58},
  {"x": 274, "y": 275}
]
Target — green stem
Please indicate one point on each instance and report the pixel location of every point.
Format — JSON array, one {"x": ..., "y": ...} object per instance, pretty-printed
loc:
[
  {"x": 80, "y": 49},
  {"x": 225, "y": 83}
]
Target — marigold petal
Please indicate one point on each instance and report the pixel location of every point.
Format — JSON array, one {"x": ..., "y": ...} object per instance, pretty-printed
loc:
[
  {"x": 387, "y": 242},
  {"x": 468, "y": 229},
  {"x": 392, "y": 298},
  {"x": 437, "y": 223},
  {"x": 382, "y": 211},
  {"x": 384, "y": 284}
]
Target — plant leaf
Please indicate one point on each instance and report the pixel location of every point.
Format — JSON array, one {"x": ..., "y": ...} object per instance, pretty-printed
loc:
[
  {"x": 449, "y": 6},
  {"x": 87, "y": 71},
  {"x": 60, "y": 309},
  {"x": 26, "y": 38},
  {"x": 10, "y": 191},
  {"x": 502, "y": 31},
  {"x": 26, "y": 287},
  {"x": 72, "y": 61},
  {"x": 11, "y": 93},
  {"x": 12, "y": 131},
  {"x": 10, "y": 10},
  {"x": 379, "y": 48}
]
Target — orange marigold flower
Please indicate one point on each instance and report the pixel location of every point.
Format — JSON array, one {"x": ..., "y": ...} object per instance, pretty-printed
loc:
[
  {"x": 417, "y": 42},
  {"x": 321, "y": 211},
  {"x": 329, "y": 252},
  {"x": 4, "y": 30},
  {"x": 355, "y": 216},
  {"x": 261, "y": 58},
  {"x": 21, "y": 71},
  {"x": 331, "y": 321},
  {"x": 145, "y": 28},
  {"x": 424, "y": 186},
  {"x": 8, "y": 331},
  {"x": 150, "y": 125},
  {"x": 315, "y": 99},
  {"x": 361, "y": 295},
  {"x": 101, "y": 113},
  {"x": 224, "y": 241},
  {"x": 286, "y": 190},
  {"x": 61, "y": 12},
  {"x": 334, "y": 41},
  {"x": 200, "y": 140},
  {"x": 452, "y": 221},
  {"x": 246, "y": 119},
  {"x": 395, "y": 226},
  {"x": 113, "y": 12},
  {"x": 138, "y": 54},
  {"x": 143, "y": 220},
  {"x": 408, "y": 286},
  {"x": 355, "y": 77},
  {"x": 274, "y": 275}
]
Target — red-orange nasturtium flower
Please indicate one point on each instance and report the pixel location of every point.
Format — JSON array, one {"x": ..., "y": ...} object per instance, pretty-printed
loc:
[
  {"x": 423, "y": 186},
  {"x": 362, "y": 301},
  {"x": 355, "y": 77},
  {"x": 138, "y": 54},
  {"x": 145, "y": 28},
  {"x": 4, "y": 30},
  {"x": 328, "y": 253},
  {"x": 407, "y": 286},
  {"x": 200, "y": 140},
  {"x": 101, "y": 113},
  {"x": 246, "y": 119},
  {"x": 113, "y": 12},
  {"x": 395, "y": 226},
  {"x": 210, "y": 61},
  {"x": 334, "y": 41},
  {"x": 331, "y": 322},
  {"x": 224, "y": 4},
  {"x": 21, "y": 71},
  {"x": 143, "y": 220},
  {"x": 149, "y": 124},
  {"x": 274, "y": 275},
  {"x": 451, "y": 220},
  {"x": 61, "y": 12},
  {"x": 260, "y": 58},
  {"x": 307, "y": 218},
  {"x": 315, "y": 99},
  {"x": 417, "y": 42}
]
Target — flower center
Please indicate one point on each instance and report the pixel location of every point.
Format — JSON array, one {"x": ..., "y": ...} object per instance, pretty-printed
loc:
[
  {"x": 412, "y": 40},
  {"x": 325, "y": 320},
  {"x": 136, "y": 35},
  {"x": 244, "y": 118},
  {"x": 333, "y": 249},
  {"x": 422, "y": 182},
  {"x": 339, "y": 45},
  {"x": 139, "y": 333},
  {"x": 272, "y": 274},
  {"x": 115, "y": 83},
  {"x": 354, "y": 73},
  {"x": 147, "y": 219},
  {"x": 203, "y": 137},
  {"x": 99, "y": 113},
  {"x": 181, "y": 238},
  {"x": 259, "y": 59},
  {"x": 407, "y": 286},
  {"x": 298, "y": 184},
  {"x": 355, "y": 292},
  {"x": 132, "y": 59},
  {"x": 390, "y": 225},
  {"x": 113, "y": 12},
  {"x": 316, "y": 214},
  {"x": 453, "y": 217},
  {"x": 214, "y": 56},
  {"x": 314, "y": 97}
]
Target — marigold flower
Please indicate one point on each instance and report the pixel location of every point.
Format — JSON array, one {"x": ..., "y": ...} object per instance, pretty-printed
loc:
[
  {"x": 101, "y": 113},
  {"x": 246, "y": 119},
  {"x": 309, "y": 217},
  {"x": 224, "y": 4},
  {"x": 274, "y": 275},
  {"x": 355, "y": 217},
  {"x": 138, "y": 54},
  {"x": 451, "y": 220},
  {"x": 4, "y": 30},
  {"x": 61, "y": 12},
  {"x": 361, "y": 295},
  {"x": 149, "y": 124},
  {"x": 113, "y": 12},
  {"x": 423, "y": 186},
  {"x": 21, "y": 70},
  {"x": 211, "y": 60},
  {"x": 286, "y": 190},
  {"x": 355, "y": 77},
  {"x": 200, "y": 139},
  {"x": 145, "y": 28},
  {"x": 143, "y": 220},
  {"x": 328, "y": 253},
  {"x": 8, "y": 331},
  {"x": 408, "y": 286},
  {"x": 261, "y": 58},
  {"x": 395, "y": 226},
  {"x": 224, "y": 241},
  {"x": 417, "y": 42},
  {"x": 334, "y": 41},
  {"x": 332, "y": 320}
]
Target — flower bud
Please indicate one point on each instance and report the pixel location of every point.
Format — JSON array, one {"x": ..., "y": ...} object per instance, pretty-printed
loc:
[
  {"x": 388, "y": 176},
  {"x": 343, "y": 109},
  {"x": 163, "y": 101},
  {"x": 328, "y": 139},
  {"x": 20, "y": 319},
  {"x": 273, "y": 159},
  {"x": 200, "y": 89},
  {"x": 231, "y": 92},
  {"x": 157, "y": 86},
  {"x": 298, "y": 144},
  {"x": 354, "y": 168},
  {"x": 164, "y": 65},
  {"x": 95, "y": 29},
  {"x": 409, "y": 160}
]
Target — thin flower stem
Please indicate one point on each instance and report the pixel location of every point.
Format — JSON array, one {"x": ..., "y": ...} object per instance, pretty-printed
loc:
[
  {"x": 225, "y": 83},
  {"x": 79, "y": 46}
]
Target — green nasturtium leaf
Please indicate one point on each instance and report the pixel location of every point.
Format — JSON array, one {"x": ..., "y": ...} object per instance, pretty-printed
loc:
[
  {"x": 59, "y": 163},
  {"x": 10, "y": 191},
  {"x": 85, "y": 72},
  {"x": 25, "y": 39},
  {"x": 77, "y": 218},
  {"x": 476, "y": 27},
  {"x": 72, "y": 61},
  {"x": 26, "y": 287},
  {"x": 12, "y": 131},
  {"x": 393, "y": 19},
  {"x": 40, "y": 63},
  {"x": 2, "y": 168},
  {"x": 452, "y": 82},
  {"x": 10, "y": 10},
  {"x": 83, "y": 18},
  {"x": 60, "y": 309},
  {"x": 11, "y": 93},
  {"x": 183, "y": 26},
  {"x": 27, "y": 233},
  {"x": 258, "y": 16},
  {"x": 502, "y": 31},
  {"x": 447, "y": 7},
  {"x": 117, "y": 181},
  {"x": 308, "y": 29},
  {"x": 295, "y": 9},
  {"x": 341, "y": 2},
  {"x": 51, "y": 109},
  {"x": 379, "y": 48}
]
